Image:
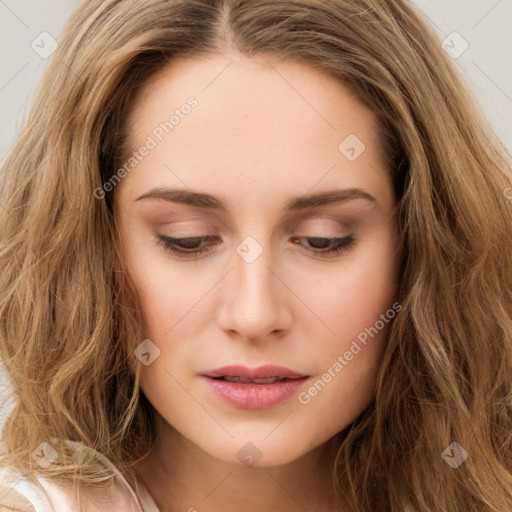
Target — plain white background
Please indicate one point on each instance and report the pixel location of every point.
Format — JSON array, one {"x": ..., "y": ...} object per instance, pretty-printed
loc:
[{"x": 484, "y": 26}]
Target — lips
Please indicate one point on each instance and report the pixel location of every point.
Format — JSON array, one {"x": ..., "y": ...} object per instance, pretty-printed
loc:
[
  {"x": 269, "y": 380},
  {"x": 258, "y": 388}
]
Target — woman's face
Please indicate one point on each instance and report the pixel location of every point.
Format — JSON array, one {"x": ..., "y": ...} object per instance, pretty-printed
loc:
[{"x": 263, "y": 162}]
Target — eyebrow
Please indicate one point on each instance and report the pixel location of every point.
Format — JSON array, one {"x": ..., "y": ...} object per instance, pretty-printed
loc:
[{"x": 208, "y": 202}]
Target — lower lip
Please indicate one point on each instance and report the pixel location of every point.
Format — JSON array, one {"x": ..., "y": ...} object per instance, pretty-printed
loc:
[{"x": 254, "y": 396}]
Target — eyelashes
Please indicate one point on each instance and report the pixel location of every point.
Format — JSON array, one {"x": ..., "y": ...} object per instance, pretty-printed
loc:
[
  {"x": 182, "y": 246},
  {"x": 189, "y": 248}
]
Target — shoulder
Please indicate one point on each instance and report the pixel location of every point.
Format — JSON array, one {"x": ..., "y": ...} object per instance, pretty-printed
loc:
[
  {"x": 22, "y": 494},
  {"x": 37, "y": 494},
  {"x": 12, "y": 500},
  {"x": 15, "y": 502},
  {"x": 18, "y": 493}
]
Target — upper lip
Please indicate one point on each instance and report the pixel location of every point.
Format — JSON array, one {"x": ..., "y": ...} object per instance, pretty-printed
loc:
[{"x": 262, "y": 372}]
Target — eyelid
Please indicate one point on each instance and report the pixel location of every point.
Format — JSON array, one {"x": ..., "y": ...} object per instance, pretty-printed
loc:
[
  {"x": 341, "y": 245},
  {"x": 204, "y": 230},
  {"x": 196, "y": 224}
]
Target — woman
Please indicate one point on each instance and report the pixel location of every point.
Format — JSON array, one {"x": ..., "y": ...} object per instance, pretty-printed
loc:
[{"x": 256, "y": 255}]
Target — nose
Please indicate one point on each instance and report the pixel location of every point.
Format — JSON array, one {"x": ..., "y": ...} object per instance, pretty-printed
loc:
[{"x": 255, "y": 298}]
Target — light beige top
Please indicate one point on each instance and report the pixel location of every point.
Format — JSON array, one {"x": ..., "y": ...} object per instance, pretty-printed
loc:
[{"x": 21, "y": 494}]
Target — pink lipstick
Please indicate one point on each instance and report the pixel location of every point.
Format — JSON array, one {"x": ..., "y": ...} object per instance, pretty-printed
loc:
[{"x": 257, "y": 388}]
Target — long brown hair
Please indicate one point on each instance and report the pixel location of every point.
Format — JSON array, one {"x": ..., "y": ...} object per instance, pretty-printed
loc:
[{"x": 69, "y": 320}]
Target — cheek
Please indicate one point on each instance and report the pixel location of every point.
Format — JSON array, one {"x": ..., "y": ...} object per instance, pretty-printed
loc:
[
  {"x": 348, "y": 366},
  {"x": 352, "y": 298},
  {"x": 359, "y": 307},
  {"x": 167, "y": 289}
]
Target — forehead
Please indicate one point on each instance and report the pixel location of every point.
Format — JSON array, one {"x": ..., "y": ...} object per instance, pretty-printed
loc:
[
  {"x": 268, "y": 90},
  {"x": 257, "y": 121}
]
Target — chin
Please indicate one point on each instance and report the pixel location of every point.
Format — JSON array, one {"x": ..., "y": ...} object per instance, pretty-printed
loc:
[{"x": 258, "y": 451}]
